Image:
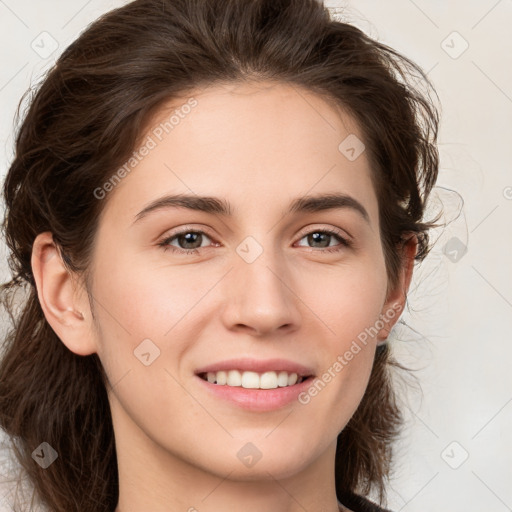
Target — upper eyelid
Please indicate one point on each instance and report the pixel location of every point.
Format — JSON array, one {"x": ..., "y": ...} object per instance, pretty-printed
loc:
[{"x": 338, "y": 231}]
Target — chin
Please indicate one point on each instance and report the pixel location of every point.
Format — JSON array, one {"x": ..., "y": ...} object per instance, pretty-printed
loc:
[{"x": 248, "y": 461}]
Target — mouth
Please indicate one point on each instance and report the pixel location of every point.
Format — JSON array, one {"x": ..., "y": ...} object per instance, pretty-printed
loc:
[
  {"x": 254, "y": 392},
  {"x": 254, "y": 380},
  {"x": 256, "y": 385}
]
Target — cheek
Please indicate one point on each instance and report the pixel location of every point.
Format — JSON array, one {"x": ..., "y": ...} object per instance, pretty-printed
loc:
[
  {"x": 347, "y": 300},
  {"x": 351, "y": 312},
  {"x": 143, "y": 298}
]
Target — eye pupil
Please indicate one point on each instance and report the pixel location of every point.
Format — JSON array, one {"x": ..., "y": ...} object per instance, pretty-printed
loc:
[
  {"x": 315, "y": 236},
  {"x": 186, "y": 236}
]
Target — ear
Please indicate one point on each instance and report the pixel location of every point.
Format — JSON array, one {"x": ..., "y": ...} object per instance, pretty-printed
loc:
[
  {"x": 396, "y": 298},
  {"x": 63, "y": 301}
]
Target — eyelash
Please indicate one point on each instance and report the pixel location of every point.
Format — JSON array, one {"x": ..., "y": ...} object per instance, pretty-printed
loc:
[{"x": 344, "y": 243}]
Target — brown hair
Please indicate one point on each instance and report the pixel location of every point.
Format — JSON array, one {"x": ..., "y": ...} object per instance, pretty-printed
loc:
[{"x": 84, "y": 122}]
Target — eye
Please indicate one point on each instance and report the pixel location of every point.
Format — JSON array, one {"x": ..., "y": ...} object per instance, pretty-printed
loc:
[
  {"x": 187, "y": 238},
  {"x": 190, "y": 240},
  {"x": 321, "y": 235}
]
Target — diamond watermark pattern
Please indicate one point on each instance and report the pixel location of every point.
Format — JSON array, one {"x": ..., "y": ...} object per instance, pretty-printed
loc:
[
  {"x": 249, "y": 249},
  {"x": 44, "y": 455},
  {"x": 146, "y": 352},
  {"x": 351, "y": 147},
  {"x": 454, "y": 249},
  {"x": 44, "y": 45},
  {"x": 249, "y": 455},
  {"x": 454, "y": 455},
  {"x": 454, "y": 45}
]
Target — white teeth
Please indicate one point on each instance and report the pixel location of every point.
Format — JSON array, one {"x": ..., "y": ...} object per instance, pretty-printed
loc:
[
  {"x": 222, "y": 378},
  {"x": 234, "y": 378},
  {"x": 253, "y": 380},
  {"x": 268, "y": 380},
  {"x": 282, "y": 379},
  {"x": 292, "y": 379}
]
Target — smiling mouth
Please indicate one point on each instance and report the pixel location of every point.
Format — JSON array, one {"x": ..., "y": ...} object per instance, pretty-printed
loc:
[{"x": 254, "y": 380}]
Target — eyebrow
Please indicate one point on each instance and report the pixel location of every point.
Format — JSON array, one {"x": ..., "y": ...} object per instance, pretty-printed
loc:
[{"x": 218, "y": 206}]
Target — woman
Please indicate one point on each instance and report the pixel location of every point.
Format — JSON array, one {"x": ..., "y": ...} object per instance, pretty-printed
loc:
[{"x": 184, "y": 343}]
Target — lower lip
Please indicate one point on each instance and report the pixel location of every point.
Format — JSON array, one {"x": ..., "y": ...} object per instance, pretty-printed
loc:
[{"x": 257, "y": 399}]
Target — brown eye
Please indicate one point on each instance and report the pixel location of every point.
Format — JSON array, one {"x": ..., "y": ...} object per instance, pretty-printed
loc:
[{"x": 189, "y": 241}]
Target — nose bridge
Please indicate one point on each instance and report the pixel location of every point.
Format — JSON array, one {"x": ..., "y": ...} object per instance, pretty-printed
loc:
[
  {"x": 259, "y": 295},
  {"x": 259, "y": 265}
]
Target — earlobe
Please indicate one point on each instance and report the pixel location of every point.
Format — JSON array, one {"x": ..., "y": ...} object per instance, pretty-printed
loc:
[
  {"x": 395, "y": 302},
  {"x": 58, "y": 295}
]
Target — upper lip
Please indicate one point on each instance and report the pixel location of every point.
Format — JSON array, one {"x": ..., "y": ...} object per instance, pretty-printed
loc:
[{"x": 258, "y": 365}]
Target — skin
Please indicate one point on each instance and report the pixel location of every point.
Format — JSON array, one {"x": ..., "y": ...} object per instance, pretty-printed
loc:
[{"x": 258, "y": 146}]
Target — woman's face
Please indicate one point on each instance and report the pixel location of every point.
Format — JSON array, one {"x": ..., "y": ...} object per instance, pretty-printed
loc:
[{"x": 261, "y": 283}]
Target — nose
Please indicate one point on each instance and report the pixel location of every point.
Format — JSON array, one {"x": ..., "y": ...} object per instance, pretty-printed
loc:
[{"x": 259, "y": 296}]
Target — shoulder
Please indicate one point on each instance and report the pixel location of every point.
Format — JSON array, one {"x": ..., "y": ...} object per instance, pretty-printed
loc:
[{"x": 357, "y": 503}]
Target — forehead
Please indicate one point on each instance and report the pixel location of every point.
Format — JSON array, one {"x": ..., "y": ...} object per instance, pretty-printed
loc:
[
  {"x": 256, "y": 143},
  {"x": 257, "y": 109}
]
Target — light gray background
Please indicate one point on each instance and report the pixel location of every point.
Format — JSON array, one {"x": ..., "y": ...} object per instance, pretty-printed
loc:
[{"x": 456, "y": 452}]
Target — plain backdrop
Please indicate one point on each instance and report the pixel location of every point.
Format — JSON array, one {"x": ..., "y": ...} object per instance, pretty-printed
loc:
[{"x": 456, "y": 451}]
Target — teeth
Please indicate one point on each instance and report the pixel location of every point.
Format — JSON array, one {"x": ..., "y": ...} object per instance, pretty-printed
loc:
[{"x": 253, "y": 380}]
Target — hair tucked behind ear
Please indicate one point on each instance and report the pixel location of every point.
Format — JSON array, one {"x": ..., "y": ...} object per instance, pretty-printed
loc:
[{"x": 83, "y": 123}]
